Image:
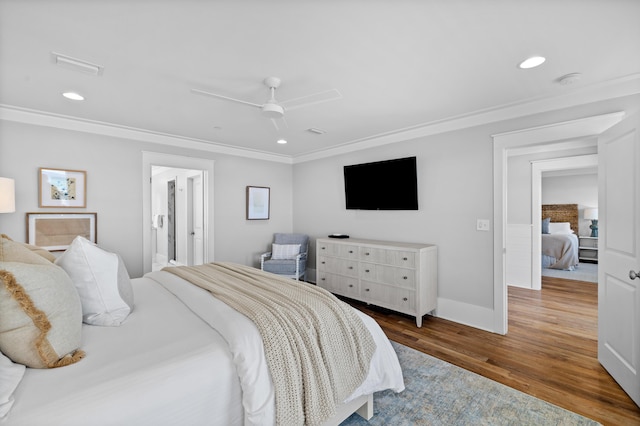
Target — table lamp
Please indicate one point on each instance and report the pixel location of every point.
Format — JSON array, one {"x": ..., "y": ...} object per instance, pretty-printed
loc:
[
  {"x": 7, "y": 195},
  {"x": 592, "y": 214}
]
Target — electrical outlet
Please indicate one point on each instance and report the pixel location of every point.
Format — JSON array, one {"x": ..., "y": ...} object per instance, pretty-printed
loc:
[{"x": 482, "y": 225}]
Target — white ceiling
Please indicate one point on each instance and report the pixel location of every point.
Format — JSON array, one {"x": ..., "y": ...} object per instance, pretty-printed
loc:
[{"x": 400, "y": 66}]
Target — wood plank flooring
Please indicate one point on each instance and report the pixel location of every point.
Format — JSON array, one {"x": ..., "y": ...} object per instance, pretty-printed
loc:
[{"x": 550, "y": 350}]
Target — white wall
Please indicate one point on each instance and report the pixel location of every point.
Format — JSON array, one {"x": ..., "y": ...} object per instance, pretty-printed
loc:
[
  {"x": 455, "y": 172},
  {"x": 575, "y": 189},
  {"x": 114, "y": 189},
  {"x": 454, "y": 189}
]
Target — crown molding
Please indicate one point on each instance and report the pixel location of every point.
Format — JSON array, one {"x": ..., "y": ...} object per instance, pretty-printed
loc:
[
  {"x": 40, "y": 118},
  {"x": 625, "y": 86}
]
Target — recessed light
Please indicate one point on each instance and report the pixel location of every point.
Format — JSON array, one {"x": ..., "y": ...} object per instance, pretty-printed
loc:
[
  {"x": 532, "y": 62},
  {"x": 281, "y": 141},
  {"x": 73, "y": 96}
]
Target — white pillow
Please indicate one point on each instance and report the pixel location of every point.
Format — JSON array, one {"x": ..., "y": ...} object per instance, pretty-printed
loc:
[
  {"x": 284, "y": 251},
  {"x": 102, "y": 282},
  {"x": 10, "y": 377},
  {"x": 560, "y": 228}
]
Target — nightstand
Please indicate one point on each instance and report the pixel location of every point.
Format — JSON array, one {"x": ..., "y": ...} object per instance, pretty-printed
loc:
[{"x": 588, "y": 249}]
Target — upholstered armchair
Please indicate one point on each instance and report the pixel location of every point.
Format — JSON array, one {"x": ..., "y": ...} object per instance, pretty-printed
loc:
[{"x": 288, "y": 256}]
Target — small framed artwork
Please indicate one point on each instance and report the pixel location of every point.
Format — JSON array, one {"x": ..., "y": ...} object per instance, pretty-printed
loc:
[
  {"x": 56, "y": 231},
  {"x": 62, "y": 188},
  {"x": 257, "y": 203}
]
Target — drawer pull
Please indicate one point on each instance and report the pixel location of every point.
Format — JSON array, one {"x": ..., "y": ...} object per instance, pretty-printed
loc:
[
  {"x": 322, "y": 279},
  {"x": 366, "y": 289},
  {"x": 350, "y": 267},
  {"x": 404, "y": 258},
  {"x": 322, "y": 248},
  {"x": 350, "y": 285},
  {"x": 323, "y": 262},
  {"x": 405, "y": 299},
  {"x": 405, "y": 278},
  {"x": 350, "y": 251},
  {"x": 366, "y": 270},
  {"x": 366, "y": 254}
]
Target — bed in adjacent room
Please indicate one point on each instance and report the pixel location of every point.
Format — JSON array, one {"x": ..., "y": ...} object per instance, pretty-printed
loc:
[
  {"x": 559, "y": 236},
  {"x": 180, "y": 355}
]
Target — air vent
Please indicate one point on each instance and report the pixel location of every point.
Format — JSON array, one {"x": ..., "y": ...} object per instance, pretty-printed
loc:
[
  {"x": 316, "y": 131},
  {"x": 76, "y": 64}
]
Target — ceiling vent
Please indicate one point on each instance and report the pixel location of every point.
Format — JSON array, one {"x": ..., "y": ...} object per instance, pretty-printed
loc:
[
  {"x": 316, "y": 131},
  {"x": 76, "y": 64},
  {"x": 569, "y": 79}
]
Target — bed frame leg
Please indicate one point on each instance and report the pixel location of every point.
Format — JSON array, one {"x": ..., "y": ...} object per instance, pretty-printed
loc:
[{"x": 366, "y": 410}]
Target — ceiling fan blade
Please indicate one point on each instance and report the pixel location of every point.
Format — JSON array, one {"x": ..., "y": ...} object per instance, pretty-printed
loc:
[
  {"x": 316, "y": 98},
  {"x": 215, "y": 95},
  {"x": 281, "y": 120}
]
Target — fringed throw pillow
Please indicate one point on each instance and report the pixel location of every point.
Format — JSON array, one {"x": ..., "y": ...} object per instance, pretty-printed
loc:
[{"x": 40, "y": 312}]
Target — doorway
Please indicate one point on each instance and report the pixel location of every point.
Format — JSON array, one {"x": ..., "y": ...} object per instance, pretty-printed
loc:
[
  {"x": 533, "y": 139},
  {"x": 193, "y": 193},
  {"x": 177, "y": 212}
]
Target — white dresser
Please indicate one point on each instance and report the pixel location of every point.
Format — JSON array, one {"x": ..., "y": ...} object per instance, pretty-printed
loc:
[{"x": 399, "y": 276}]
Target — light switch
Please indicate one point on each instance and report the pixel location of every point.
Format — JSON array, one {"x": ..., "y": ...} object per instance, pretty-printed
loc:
[{"x": 482, "y": 225}]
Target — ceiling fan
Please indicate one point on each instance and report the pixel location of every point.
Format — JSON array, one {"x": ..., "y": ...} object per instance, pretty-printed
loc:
[{"x": 275, "y": 109}]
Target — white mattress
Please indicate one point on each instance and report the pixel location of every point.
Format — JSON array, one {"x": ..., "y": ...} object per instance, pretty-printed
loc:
[
  {"x": 182, "y": 357},
  {"x": 148, "y": 371}
]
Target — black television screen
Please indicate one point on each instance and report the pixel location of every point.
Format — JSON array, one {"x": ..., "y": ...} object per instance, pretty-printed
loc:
[{"x": 383, "y": 185}]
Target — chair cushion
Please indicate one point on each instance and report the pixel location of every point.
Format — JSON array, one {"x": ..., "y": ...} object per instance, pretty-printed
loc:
[
  {"x": 284, "y": 251},
  {"x": 302, "y": 239},
  {"x": 281, "y": 267}
]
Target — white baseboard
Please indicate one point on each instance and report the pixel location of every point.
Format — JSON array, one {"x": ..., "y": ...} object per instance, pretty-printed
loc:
[{"x": 464, "y": 313}]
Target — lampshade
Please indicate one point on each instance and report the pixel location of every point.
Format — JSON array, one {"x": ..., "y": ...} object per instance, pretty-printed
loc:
[
  {"x": 591, "y": 214},
  {"x": 7, "y": 195}
]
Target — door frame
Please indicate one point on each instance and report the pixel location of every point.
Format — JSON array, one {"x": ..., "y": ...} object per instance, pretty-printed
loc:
[
  {"x": 527, "y": 139},
  {"x": 179, "y": 162}
]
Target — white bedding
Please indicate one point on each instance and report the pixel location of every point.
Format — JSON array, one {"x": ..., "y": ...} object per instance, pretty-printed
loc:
[{"x": 149, "y": 371}]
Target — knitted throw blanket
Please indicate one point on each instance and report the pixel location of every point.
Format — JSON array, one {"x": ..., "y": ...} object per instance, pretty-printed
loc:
[{"x": 317, "y": 349}]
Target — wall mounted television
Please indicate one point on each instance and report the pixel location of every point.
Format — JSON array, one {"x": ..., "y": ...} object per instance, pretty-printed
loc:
[{"x": 382, "y": 185}]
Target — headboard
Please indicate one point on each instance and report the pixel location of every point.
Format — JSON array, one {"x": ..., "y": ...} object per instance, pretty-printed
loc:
[{"x": 562, "y": 213}]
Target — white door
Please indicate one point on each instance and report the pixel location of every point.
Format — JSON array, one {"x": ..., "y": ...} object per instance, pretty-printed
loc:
[
  {"x": 619, "y": 254},
  {"x": 198, "y": 220}
]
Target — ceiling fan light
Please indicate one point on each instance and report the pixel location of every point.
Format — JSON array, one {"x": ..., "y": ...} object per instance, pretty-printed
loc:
[
  {"x": 272, "y": 110},
  {"x": 73, "y": 96},
  {"x": 532, "y": 62}
]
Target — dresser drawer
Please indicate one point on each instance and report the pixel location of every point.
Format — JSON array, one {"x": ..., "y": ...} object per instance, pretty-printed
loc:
[
  {"x": 387, "y": 296},
  {"x": 399, "y": 277},
  {"x": 376, "y": 255},
  {"x": 339, "y": 266},
  {"x": 344, "y": 286},
  {"x": 405, "y": 259}
]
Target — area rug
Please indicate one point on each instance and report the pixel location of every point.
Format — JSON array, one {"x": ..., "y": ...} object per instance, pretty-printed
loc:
[
  {"x": 439, "y": 393},
  {"x": 584, "y": 272}
]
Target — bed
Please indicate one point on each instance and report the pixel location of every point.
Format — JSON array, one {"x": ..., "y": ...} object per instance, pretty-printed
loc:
[
  {"x": 559, "y": 241},
  {"x": 181, "y": 356}
]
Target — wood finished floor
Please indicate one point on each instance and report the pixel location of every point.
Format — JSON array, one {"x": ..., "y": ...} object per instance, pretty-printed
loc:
[{"x": 550, "y": 350}]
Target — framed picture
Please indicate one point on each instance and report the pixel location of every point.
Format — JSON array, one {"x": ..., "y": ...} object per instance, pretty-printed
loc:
[
  {"x": 56, "y": 231},
  {"x": 62, "y": 188},
  {"x": 257, "y": 203}
]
